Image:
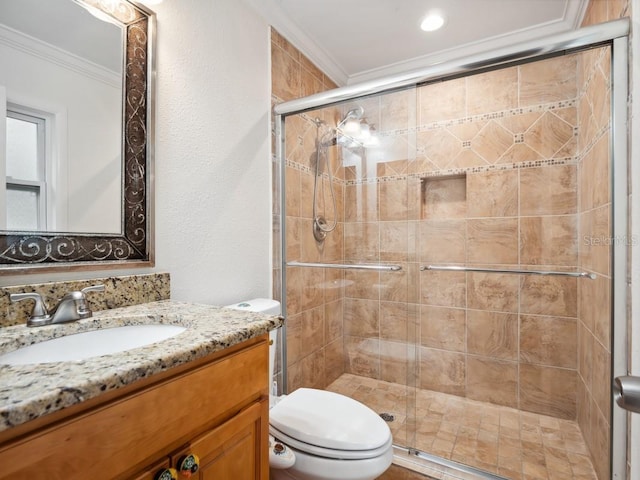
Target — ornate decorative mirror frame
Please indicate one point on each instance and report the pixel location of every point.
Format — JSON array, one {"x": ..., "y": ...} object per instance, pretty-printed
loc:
[{"x": 36, "y": 252}]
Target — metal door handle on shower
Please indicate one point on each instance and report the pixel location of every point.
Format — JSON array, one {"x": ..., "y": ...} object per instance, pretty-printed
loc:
[
  {"x": 457, "y": 268},
  {"x": 626, "y": 391},
  {"x": 348, "y": 266}
]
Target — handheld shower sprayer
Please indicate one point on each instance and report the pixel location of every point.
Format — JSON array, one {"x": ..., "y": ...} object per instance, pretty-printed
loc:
[
  {"x": 349, "y": 127},
  {"x": 320, "y": 225}
]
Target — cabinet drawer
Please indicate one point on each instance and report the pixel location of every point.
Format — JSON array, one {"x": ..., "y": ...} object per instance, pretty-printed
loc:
[{"x": 133, "y": 431}]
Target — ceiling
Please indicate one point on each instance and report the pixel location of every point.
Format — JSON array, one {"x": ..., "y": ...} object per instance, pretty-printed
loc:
[{"x": 359, "y": 40}]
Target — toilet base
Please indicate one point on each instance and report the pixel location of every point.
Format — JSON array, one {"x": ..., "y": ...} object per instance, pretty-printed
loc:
[{"x": 309, "y": 467}]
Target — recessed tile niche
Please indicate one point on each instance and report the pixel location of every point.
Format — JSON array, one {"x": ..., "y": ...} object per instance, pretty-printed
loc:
[{"x": 443, "y": 197}]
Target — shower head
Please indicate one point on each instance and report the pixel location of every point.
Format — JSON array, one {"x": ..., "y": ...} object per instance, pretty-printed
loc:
[
  {"x": 355, "y": 129},
  {"x": 355, "y": 113},
  {"x": 350, "y": 123}
]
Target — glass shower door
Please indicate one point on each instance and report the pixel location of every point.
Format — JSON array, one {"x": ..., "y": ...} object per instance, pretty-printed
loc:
[
  {"x": 380, "y": 308},
  {"x": 464, "y": 289},
  {"x": 514, "y": 171},
  {"x": 351, "y": 266}
]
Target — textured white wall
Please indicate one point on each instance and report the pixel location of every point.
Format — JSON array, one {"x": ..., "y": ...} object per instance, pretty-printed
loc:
[
  {"x": 213, "y": 193},
  {"x": 212, "y": 169}
]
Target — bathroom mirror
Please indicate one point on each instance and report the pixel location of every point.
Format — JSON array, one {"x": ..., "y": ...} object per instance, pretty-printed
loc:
[{"x": 98, "y": 212}]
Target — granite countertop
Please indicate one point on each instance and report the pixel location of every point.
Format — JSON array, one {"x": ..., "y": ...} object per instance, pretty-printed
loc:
[{"x": 31, "y": 391}]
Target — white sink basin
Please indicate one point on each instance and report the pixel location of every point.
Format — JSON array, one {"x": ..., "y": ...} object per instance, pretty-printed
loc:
[{"x": 94, "y": 343}]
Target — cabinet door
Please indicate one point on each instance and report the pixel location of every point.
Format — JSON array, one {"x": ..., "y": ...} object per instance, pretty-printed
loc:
[{"x": 237, "y": 449}]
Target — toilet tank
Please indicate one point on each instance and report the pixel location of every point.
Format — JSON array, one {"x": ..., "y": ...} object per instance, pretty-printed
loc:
[
  {"x": 269, "y": 307},
  {"x": 262, "y": 305}
]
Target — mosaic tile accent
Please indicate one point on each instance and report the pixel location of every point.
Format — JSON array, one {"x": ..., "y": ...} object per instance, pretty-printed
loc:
[
  {"x": 546, "y": 107},
  {"x": 119, "y": 292},
  {"x": 463, "y": 171},
  {"x": 305, "y": 126}
]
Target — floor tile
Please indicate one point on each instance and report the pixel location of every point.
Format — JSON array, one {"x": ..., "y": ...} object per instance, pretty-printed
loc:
[{"x": 516, "y": 445}]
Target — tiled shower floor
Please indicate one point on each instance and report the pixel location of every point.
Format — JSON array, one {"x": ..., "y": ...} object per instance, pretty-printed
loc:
[{"x": 502, "y": 440}]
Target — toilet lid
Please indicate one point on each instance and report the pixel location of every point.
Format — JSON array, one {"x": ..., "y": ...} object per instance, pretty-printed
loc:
[{"x": 329, "y": 420}]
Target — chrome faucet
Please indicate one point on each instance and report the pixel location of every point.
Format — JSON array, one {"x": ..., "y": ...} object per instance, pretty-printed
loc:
[{"x": 73, "y": 306}]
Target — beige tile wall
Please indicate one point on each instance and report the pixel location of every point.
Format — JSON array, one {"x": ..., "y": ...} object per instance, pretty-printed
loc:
[
  {"x": 594, "y": 298},
  {"x": 314, "y": 296},
  {"x": 495, "y": 187},
  {"x": 494, "y": 171}
]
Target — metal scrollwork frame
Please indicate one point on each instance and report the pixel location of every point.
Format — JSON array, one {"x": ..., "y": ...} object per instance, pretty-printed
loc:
[{"x": 35, "y": 252}]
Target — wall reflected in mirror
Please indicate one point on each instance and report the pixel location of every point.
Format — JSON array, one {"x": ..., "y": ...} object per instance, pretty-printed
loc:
[{"x": 61, "y": 93}]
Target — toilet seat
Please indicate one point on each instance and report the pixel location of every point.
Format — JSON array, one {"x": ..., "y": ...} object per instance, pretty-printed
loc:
[
  {"x": 329, "y": 452},
  {"x": 330, "y": 425}
]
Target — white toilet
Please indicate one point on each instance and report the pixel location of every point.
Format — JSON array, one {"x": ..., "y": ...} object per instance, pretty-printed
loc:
[{"x": 327, "y": 436}]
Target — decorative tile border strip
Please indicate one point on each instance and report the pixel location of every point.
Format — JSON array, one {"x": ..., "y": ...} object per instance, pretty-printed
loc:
[
  {"x": 591, "y": 73},
  {"x": 463, "y": 171},
  {"x": 500, "y": 167},
  {"x": 445, "y": 172},
  {"x": 300, "y": 167},
  {"x": 548, "y": 107},
  {"x": 541, "y": 108},
  {"x": 594, "y": 140}
]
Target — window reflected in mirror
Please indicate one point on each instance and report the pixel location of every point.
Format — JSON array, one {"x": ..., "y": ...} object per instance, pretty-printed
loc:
[{"x": 26, "y": 197}]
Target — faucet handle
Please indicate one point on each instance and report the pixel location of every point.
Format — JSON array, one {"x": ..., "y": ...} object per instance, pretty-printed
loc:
[
  {"x": 39, "y": 309},
  {"x": 83, "y": 309},
  {"x": 93, "y": 288}
]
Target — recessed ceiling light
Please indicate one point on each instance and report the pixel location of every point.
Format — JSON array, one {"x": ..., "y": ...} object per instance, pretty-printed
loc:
[{"x": 432, "y": 22}]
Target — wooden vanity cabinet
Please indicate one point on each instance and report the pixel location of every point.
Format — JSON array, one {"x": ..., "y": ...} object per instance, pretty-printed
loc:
[{"x": 215, "y": 408}]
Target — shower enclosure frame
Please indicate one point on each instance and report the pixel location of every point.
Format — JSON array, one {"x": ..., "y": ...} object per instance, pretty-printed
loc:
[{"x": 613, "y": 34}]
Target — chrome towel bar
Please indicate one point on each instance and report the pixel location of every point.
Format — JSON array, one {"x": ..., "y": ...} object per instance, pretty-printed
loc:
[
  {"x": 453, "y": 268},
  {"x": 349, "y": 266}
]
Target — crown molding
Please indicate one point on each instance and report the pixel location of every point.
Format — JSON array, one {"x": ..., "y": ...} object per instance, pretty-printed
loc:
[
  {"x": 572, "y": 19},
  {"x": 45, "y": 51},
  {"x": 576, "y": 10},
  {"x": 275, "y": 16}
]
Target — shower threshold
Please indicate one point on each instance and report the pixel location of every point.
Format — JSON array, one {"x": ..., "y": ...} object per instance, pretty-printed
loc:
[
  {"x": 433, "y": 467},
  {"x": 469, "y": 439}
]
